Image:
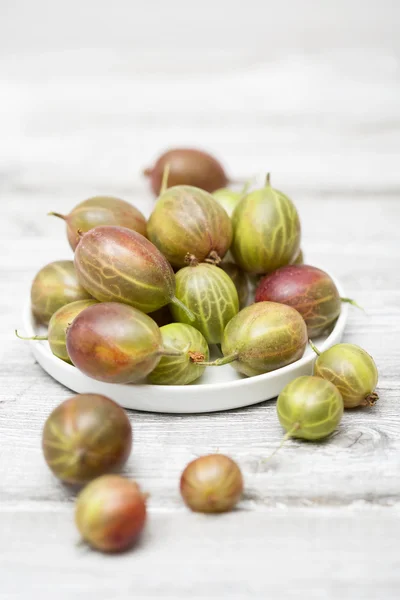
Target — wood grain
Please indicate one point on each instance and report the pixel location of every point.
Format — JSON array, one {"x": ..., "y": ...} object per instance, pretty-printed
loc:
[
  {"x": 319, "y": 520},
  {"x": 285, "y": 554}
]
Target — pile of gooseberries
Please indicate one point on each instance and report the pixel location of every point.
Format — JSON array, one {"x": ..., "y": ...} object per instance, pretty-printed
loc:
[{"x": 143, "y": 300}]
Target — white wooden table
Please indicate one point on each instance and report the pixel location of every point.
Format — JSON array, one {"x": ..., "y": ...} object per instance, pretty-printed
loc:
[{"x": 320, "y": 520}]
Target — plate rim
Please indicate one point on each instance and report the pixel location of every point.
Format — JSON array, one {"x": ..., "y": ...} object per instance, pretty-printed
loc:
[{"x": 243, "y": 382}]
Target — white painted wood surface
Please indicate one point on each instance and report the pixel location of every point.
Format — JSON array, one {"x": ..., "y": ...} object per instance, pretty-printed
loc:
[{"x": 84, "y": 105}]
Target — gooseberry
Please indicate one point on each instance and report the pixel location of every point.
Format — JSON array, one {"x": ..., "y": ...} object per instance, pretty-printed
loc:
[
  {"x": 266, "y": 231},
  {"x": 211, "y": 484},
  {"x": 101, "y": 210},
  {"x": 110, "y": 513},
  {"x": 309, "y": 408},
  {"x": 210, "y": 295},
  {"x": 115, "y": 343},
  {"x": 86, "y": 436},
  {"x": 187, "y": 166},
  {"x": 183, "y": 369},
  {"x": 352, "y": 370},
  {"x": 54, "y": 286}
]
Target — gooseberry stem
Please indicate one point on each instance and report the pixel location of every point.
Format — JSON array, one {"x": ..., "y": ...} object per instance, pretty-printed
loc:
[
  {"x": 147, "y": 172},
  {"x": 370, "y": 399},
  {"x": 225, "y": 360},
  {"x": 191, "y": 260},
  {"x": 34, "y": 338},
  {"x": 177, "y": 302},
  {"x": 352, "y": 302},
  {"x": 164, "y": 181},
  {"x": 213, "y": 258},
  {"x": 58, "y": 215},
  {"x": 314, "y": 348},
  {"x": 285, "y": 438},
  {"x": 268, "y": 180},
  {"x": 196, "y": 357}
]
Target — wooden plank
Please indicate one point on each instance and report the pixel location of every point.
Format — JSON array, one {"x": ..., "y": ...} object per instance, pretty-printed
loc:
[
  {"x": 298, "y": 553},
  {"x": 341, "y": 471}
]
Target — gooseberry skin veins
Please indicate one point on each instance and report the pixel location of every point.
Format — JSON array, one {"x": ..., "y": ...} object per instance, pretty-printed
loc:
[
  {"x": 211, "y": 296},
  {"x": 266, "y": 336},
  {"x": 211, "y": 484},
  {"x": 266, "y": 231},
  {"x": 180, "y": 370},
  {"x": 114, "y": 342},
  {"x": 187, "y": 166},
  {"x": 110, "y": 513},
  {"x": 86, "y": 436},
  {"x": 240, "y": 280},
  {"x": 119, "y": 265},
  {"x": 186, "y": 220},
  {"x": 54, "y": 286},
  {"x": 311, "y": 403},
  {"x": 352, "y": 370},
  {"x": 59, "y": 323},
  {"x": 102, "y": 210},
  {"x": 309, "y": 290}
]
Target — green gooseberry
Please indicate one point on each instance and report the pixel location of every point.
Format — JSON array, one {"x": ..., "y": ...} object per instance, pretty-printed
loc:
[
  {"x": 101, "y": 210},
  {"x": 54, "y": 286},
  {"x": 186, "y": 220},
  {"x": 184, "y": 368},
  {"x": 309, "y": 408},
  {"x": 352, "y": 370},
  {"x": 58, "y": 325},
  {"x": 266, "y": 231},
  {"x": 229, "y": 199},
  {"x": 263, "y": 337},
  {"x": 209, "y": 294}
]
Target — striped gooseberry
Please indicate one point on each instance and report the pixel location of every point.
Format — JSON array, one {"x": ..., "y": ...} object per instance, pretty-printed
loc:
[
  {"x": 210, "y": 294},
  {"x": 54, "y": 286},
  {"x": 263, "y": 337},
  {"x": 352, "y": 370},
  {"x": 266, "y": 231},
  {"x": 58, "y": 325},
  {"x": 116, "y": 264},
  {"x": 115, "y": 343},
  {"x": 184, "y": 368},
  {"x": 101, "y": 210},
  {"x": 186, "y": 220},
  {"x": 309, "y": 408},
  {"x": 86, "y": 436}
]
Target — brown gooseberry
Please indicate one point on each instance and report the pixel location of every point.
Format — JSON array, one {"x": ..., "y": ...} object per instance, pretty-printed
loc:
[
  {"x": 211, "y": 484},
  {"x": 115, "y": 343},
  {"x": 187, "y": 166},
  {"x": 188, "y": 220},
  {"x": 86, "y": 436},
  {"x": 116, "y": 264}
]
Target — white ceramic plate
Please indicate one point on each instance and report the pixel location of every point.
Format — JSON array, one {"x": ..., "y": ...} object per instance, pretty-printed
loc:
[{"x": 220, "y": 388}]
